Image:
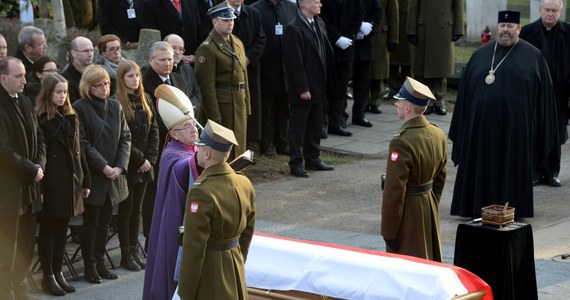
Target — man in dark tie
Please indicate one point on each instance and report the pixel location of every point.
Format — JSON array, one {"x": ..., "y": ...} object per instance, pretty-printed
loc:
[
  {"x": 22, "y": 157},
  {"x": 308, "y": 56}
]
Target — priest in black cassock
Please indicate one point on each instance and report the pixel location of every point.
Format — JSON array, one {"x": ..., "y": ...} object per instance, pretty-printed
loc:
[{"x": 504, "y": 121}]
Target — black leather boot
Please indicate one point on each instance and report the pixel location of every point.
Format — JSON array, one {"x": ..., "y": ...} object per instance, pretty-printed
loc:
[
  {"x": 127, "y": 260},
  {"x": 63, "y": 283},
  {"x": 136, "y": 256},
  {"x": 91, "y": 274},
  {"x": 50, "y": 286},
  {"x": 105, "y": 273}
]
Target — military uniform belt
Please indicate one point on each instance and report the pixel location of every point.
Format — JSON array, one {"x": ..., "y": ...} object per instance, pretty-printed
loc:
[
  {"x": 419, "y": 189},
  {"x": 222, "y": 246},
  {"x": 231, "y": 87}
]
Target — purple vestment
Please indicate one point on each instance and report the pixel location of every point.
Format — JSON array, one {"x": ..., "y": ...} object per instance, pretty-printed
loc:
[{"x": 177, "y": 173}]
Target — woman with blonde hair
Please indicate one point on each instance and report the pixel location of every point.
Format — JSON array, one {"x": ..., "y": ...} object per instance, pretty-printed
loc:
[
  {"x": 107, "y": 141},
  {"x": 144, "y": 151},
  {"x": 66, "y": 181}
]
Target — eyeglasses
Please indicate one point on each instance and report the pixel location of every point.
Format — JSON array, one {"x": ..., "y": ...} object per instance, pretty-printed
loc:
[
  {"x": 114, "y": 49},
  {"x": 84, "y": 51},
  {"x": 50, "y": 71},
  {"x": 100, "y": 85},
  {"x": 186, "y": 127}
]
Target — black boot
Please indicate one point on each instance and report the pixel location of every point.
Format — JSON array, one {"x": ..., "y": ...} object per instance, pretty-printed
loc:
[
  {"x": 63, "y": 283},
  {"x": 105, "y": 273},
  {"x": 136, "y": 256},
  {"x": 127, "y": 260},
  {"x": 91, "y": 275},
  {"x": 50, "y": 286}
]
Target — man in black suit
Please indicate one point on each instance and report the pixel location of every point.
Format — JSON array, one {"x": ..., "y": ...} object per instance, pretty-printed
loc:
[
  {"x": 184, "y": 70},
  {"x": 275, "y": 14},
  {"x": 121, "y": 18},
  {"x": 164, "y": 16},
  {"x": 205, "y": 20},
  {"x": 22, "y": 157},
  {"x": 248, "y": 28},
  {"x": 307, "y": 52},
  {"x": 552, "y": 37},
  {"x": 343, "y": 19},
  {"x": 161, "y": 61}
]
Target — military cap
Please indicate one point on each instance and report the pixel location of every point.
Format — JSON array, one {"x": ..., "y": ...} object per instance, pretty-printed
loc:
[
  {"x": 509, "y": 16},
  {"x": 415, "y": 92},
  {"x": 217, "y": 137},
  {"x": 222, "y": 11},
  {"x": 173, "y": 105}
]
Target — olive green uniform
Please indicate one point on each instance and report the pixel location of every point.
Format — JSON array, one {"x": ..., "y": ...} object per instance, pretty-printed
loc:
[
  {"x": 220, "y": 208},
  {"x": 221, "y": 72},
  {"x": 415, "y": 177}
]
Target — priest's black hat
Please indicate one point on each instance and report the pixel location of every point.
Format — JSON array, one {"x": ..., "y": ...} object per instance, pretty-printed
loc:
[{"x": 509, "y": 16}]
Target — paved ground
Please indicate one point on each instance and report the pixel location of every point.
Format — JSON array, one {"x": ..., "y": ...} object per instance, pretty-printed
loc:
[{"x": 343, "y": 207}]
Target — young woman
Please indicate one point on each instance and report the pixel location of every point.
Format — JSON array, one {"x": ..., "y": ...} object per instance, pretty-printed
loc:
[
  {"x": 144, "y": 151},
  {"x": 107, "y": 141},
  {"x": 66, "y": 181},
  {"x": 41, "y": 68}
]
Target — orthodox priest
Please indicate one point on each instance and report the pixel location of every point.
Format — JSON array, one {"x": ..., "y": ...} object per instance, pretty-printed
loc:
[{"x": 503, "y": 123}]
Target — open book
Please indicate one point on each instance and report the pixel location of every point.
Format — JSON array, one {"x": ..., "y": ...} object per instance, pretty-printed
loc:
[{"x": 242, "y": 161}]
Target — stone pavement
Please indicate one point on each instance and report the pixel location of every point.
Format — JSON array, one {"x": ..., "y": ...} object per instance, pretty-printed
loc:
[{"x": 343, "y": 207}]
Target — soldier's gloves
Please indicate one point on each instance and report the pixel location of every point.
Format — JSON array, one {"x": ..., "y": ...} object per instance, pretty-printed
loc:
[
  {"x": 392, "y": 245},
  {"x": 359, "y": 36},
  {"x": 343, "y": 42},
  {"x": 392, "y": 47},
  {"x": 413, "y": 39},
  {"x": 366, "y": 28},
  {"x": 456, "y": 37}
]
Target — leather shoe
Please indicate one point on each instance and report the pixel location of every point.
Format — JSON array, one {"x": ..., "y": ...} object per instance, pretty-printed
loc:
[
  {"x": 320, "y": 166},
  {"x": 91, "y": 275},
  {"x": 429, "y": 110},
  {"x": 374, "y": 109},
  {"x": 440, "y": 111},
  {"x": 339, "y": 131},
  {"x": 554, "y": 182},
  {"x": 105, "y": 273},
  {"x": 362, "y": 122},
  {"x": 63, "y": 283},
  {"x": 324, "y": 134},
  {"x": 269, "y": 152},
  {"x": 50, "y": 286},
  {"x": 536, "y": 181},
  {"x": 299, "y": 172}
]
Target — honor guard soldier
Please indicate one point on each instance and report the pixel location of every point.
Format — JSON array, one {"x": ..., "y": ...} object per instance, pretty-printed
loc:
[{"x": 415, "y": 177}]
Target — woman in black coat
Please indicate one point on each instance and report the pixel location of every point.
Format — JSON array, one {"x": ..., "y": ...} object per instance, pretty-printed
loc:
[
  {"x": 144, "y": 151},
  {"x": 41, "y": 68},
  {"x": 66, "y": 181},
  {"x": 107, "y": 141}
]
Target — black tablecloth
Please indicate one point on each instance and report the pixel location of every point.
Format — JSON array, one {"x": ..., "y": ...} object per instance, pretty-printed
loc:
[{"x": 503, "y": 257}]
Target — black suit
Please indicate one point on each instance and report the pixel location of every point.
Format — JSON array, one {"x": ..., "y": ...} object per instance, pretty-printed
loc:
[
  {"x": 205, "y": 20},
  {"x": 306, "y": 57},
  {"x": 364, "y": 55},
  {"x": 163, "y": 16},
  {"x": 343, "y": 19},
  {"x": 151, "y": 80},
  {"x": 22, "y": 152},
  {"x": 555, "y": 47},
  {"x": 113, "y": 19},
  {"x": 249, "y": 30}
]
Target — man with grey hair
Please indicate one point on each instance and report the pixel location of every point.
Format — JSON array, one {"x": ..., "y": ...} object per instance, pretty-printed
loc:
[
  {"x": 82, "y": 56},
  {"x": 161, "y": 62},
  {"x": 552, "y": 37},
  {"x": 182, "y": 67},
  {"x": 31, "y": 45}
]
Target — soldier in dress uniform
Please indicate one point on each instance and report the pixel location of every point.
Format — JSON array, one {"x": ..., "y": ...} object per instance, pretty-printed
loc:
[
  {"x": 221, "y": 71},
  {"x": 415, "y": 177},
  {"x": 219, "y": 221}
]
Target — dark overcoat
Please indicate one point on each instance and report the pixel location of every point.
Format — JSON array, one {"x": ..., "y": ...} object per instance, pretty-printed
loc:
[
  {"x": 343, "y": 18},
  {"x": 404, "y": 53},
  {"x": 386, "y": 32},
  {"x": 107, "y": 141},
  {"x": 67, "y": 172},
  {"x": 221, "y": 64},
  {"x": 22, "y": 152},
  {"x": 558, "y": 59},
  {"x": 248, "y": 28},
  {"x": 417, "y": 155},
  {"x": 113, "y": 19},
  {"x": 364, "y": 50},
  {"x": 434, "y": 23}
]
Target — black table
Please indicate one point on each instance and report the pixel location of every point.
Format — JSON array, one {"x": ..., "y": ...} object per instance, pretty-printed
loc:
[{"x": 503, "y": 257}]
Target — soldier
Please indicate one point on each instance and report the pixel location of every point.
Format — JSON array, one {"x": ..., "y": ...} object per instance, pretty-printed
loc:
[
  {"x": 433, "y": 26},
  {"x": 221, "y": 71},
  {"x": 415, "y": 177},
  {"x": 219, "y": 222}
]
